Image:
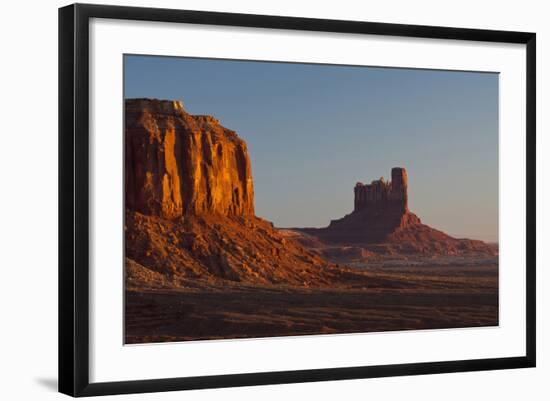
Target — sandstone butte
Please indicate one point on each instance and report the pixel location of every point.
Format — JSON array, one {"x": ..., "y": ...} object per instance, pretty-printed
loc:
[
  {"x": 382, "y": 222},
  {"x": 190, "y": 207}
]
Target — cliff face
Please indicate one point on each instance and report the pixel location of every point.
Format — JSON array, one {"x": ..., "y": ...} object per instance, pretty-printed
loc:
[{"x": 177, "y": 163}]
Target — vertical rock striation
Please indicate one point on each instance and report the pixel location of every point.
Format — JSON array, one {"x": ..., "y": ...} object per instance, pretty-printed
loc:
[
  {"x": 381, "y": 195},
  {"x": 177, "y": 163}
]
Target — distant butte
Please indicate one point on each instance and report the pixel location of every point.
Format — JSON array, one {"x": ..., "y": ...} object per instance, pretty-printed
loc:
[{"x": 381, "y": 221}]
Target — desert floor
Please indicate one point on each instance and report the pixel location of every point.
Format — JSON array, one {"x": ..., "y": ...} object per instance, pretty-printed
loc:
[{"x": 389, "y": 298}]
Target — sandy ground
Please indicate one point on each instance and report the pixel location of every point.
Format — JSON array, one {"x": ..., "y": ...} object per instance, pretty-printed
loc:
[{"x": 398, "y": 298}]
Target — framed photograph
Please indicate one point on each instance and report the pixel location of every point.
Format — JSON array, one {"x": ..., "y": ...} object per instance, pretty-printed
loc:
[{"x": 250, "y": 199}]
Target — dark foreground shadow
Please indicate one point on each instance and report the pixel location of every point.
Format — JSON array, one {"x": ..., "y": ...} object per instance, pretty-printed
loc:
[
  {"x": 49, "y": 383},
  {"x": 404, "y": 298}
]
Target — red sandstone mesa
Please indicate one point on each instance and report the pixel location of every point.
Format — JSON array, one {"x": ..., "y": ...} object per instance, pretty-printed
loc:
[{"x": 190, "y": 206}]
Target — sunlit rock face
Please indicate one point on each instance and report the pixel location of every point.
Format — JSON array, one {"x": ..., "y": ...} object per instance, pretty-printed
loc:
[{"x": 178, "y": 164}]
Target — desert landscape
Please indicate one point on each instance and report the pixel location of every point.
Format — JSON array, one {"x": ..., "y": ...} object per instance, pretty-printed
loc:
[{"x": 201, "y": 265}]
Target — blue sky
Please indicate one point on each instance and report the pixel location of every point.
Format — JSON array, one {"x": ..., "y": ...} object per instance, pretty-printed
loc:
[{"x": 314, "y": 130}]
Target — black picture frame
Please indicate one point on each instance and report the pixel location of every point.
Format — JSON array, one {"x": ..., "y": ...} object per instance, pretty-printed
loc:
[{"x": 74, "y": 198}]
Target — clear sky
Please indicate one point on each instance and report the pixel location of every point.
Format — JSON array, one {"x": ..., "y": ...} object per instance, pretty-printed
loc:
[{"x": 314, "y": 130}]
